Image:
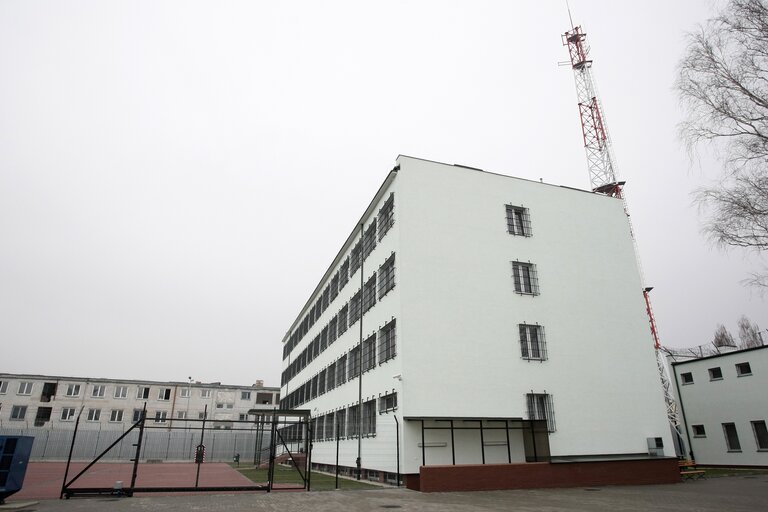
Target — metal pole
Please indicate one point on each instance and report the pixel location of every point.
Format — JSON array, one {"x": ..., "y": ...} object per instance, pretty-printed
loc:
[
  {"x": 482, "y": 442},
  {"x": 397, "y": 437},
  {"x": 200, "y": 450},
  {"x": 71, "y": 448},
  {"x": 423, "y": 446},
  {"x": 308, "y": 458},
  {"x": 360, "y": 355},
  {"x": 533, "y": 438},
  {"x": 453, "y": 446},
  {"x": 506, "y": 431},
  {"x": 337, "y": 452},
  {"x": 272, "y": 448},
  {"x": 135, "y": 472}
]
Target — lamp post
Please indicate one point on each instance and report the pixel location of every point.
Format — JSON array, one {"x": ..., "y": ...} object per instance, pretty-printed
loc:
[{"x": 189, "y": 394}]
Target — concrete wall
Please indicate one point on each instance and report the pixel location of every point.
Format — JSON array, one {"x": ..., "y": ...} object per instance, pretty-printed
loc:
[{"x": 733, "y": 399}]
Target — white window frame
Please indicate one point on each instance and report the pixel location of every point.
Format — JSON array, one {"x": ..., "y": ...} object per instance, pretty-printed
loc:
[
  {"x": 67, "y": 414},
  {"x": 3, "y": 387},
  {"x": 121, "y": 392},
  {"x": 525, "y": 278},
  {"x": 94, "y": 415},
  {"x": 245, "y": 395},
  {"x": 164, "y": 394},
  {"x": 18, "y": 413},
  {"x": 161, "y": 416},
  {"x": 532, "y": 342},
  {"x": 116, "y": 416},
  {"x": 142, "y": 392},
  {"x": 184, "y": 393},
  {"x": 98, "y": 390},
  {"x": 205, "y": 393},
  {"x": 181, "y": 415},
  {"x": 518, "y": 220},
  {"x": 73, "y": 390},
  {"x": 25, "y": 388}
]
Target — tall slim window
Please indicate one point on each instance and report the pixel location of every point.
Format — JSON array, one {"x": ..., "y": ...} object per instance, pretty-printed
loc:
[
  {"x": 524, "y": 275},
  {"x": 321, "y": 383},
  {"x": 341, "y": 370},
  {"x": 344, "y": 274},
  {"x": 369, "y": 293},
  {"x": 355, "y": 305},
  {"x": 387, "y": 342},
  {"x": 342, "y": 325},
  {"x": 387, "y": 276},
  {"x": 354, "y": 362},
  {"x": 369, "y": 240},
  {"x": 518, "y": 221},
  {"x": 731, "y": 437},
  {"x": 334, "y": 286},
  {"x": 532, "y": 344},
  {"x": 387, "y": 215},
  {"x": 3, "y": 387},
  {"x": 761, "y": 435},
  {"x": 332, "y": 335},
  {"x": 353, "y": 425},
  {"x": 341, "y": 423},
  {"x": 354, "y": 258},
  {"x": 369, "y": 353},
  {"x": 369, "y": 418},
  {"x": 331, "y": 376},
  {"x": 540, "y": 408}
]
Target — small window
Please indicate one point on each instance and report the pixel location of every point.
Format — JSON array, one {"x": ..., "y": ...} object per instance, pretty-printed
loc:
[
  {"x": 142, "y": 393},
  {"x": 686, "y": 378},
  {"x": 161, "y": 416},
  {"x": 121, "y": 391},
  {"x": 98, "y": 391},
  {"x": 761, "y": 435},
  {"x": 532, "y": 346},
  {"x": 731, "y": 437},
  {"x": 94, "y": 414},
  {"x": 18, "y": 412},
  {"x": 245, "y": 395},
  {"x": 73, "y": 390},
  {"x": 743, "y": 369},
  {"x": 201, "y": 415},
  {"x": 243, "y": 417},
  {"x": 67, "y": 414},
  {"x": 164, "y": 394},
  {"x": 525, "y": 278},
  {"x": 205, "y": 393},
  {"x": 518, "y": 221},
  {"x": 219, "y": 405},
  {"x": 25, "y": 388},
  {"x": 715, "y": 373},
  {"x": 116, "y": 415},
  {"x": 698, "y": 431},
  {"x": 3, "y": 387},
  {"x": 182, "y": 415},
  {"x": 540, "y": 408},
  {"x": 136, "y": 415},
  {"x": 388, "y": 403}
]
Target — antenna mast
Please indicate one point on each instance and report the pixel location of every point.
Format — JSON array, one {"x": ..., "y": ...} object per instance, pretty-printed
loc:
[{"x": 602, "y": 176}]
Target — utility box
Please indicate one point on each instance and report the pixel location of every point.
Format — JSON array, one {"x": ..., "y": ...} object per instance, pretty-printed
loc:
[
  {"x": 14, "y": 457},
  {"x": 655, "y": 446}
]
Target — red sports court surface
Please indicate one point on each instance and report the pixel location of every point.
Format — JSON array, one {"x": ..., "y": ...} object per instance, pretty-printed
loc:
[{"x": 43, "y": 479}]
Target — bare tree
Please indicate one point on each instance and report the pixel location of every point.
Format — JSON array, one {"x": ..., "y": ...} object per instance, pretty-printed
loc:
[
  {"x": 723, "y": 85},
  {"x": 723, "y": 338},
  {"x": 749, "y": 333}
]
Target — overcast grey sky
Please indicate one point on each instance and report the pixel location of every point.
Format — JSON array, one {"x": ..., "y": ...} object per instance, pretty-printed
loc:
[{"x": 175, "y": 176}]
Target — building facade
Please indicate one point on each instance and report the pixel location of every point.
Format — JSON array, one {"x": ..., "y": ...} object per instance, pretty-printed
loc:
[
  {"x": 474, "y": 318},
  {"x": 54, "y": 402},
  {"x": 724, "y": 407}
]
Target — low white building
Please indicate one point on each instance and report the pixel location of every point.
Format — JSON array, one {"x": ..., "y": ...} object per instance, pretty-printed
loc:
[
  {"x": 724, "y": 407},
  {"x": 54, "y": 402},
  {"x": 467, "y": 309}
]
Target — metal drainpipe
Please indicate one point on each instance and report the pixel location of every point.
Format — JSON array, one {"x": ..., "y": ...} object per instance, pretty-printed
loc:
[
  {"x": 360, "y": 353},
  {"x": 682, "y": 410}
]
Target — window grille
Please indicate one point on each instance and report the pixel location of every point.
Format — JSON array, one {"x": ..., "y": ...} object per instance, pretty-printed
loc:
[
  {"x": 321, "y": 383},
  {"x": 532, "y": 342},
  {"x": 355, "y": 308},
  {"x": 540, "y": 408},
  {"x": 369, "y": 418},
  {"x": 354, "y": 258},
  {"x": 341, "y": 423},
  {"x": 387, "y": 342},
  {"x": 386, "y": 216},
  {"x": 518, "y": 221},
  {"x": 369, "y": 240},
  {"x": 332, "y": 335},
  {"x": 354, "y": 362},
  {"x": 369, "y": 293},
  {"x": 343, "y": 319},
  {"x": 388, "y": 403},
  {"x": 324, "y": 338},
  {"x": 326, "y": 298},
  {"x": 525, "y": 278},
  {"x": 353, "y": 425},
  {"x": 369, "y": 353},
  {"x": 387, "y": 276},
  {"x": 331, "y": 376},
  {"x": 344, "y": 274},
  {"x": 341, "y": 370},
  {"x": 334, "y": 287}
]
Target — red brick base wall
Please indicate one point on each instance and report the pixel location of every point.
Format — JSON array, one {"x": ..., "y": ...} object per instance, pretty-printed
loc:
[{"x": 488, "y": 477}]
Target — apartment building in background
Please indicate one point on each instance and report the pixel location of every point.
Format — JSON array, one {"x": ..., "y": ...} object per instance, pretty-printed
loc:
[
  {"x": 473, "y": 318},
  {"x": 54, "y": 402}
]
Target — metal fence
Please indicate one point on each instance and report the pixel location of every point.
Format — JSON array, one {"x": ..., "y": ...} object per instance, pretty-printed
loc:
[{"x": 158, "y": 444}]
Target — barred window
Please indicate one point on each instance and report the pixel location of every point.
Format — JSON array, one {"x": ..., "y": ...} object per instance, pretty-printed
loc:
[
  {"x": 324, "y": 338},
  {"x": 321, "y": 383},
  {"x": 387, "y": 276},
  {"x": 342, "y": 327},
  {"x": 353, "y": 367},
  {"x": 354, "y": 258},
  {"x": 354, "y": 307},
  {"x": 369, "y": 293},
  {"x": 532, "y": 345},
  {"x": 341, "y": 370},
  {"x": 330, "y": 426},
  {"x": 369, "y": 240},
  {"x": 332, "y": 335},
  {"x": 386, "y": 216},
  {"x": 313, "y": 387},
  {"x": 369, "y": 353},
  {"x": 525, "y": 278},
  {"x": 540, "y": 408},
  {"x": 344, "y": 274},
  {"x": 341, "y": 423},
  {"x": 518, "y": 221},
  {"x": 388, "y": 403},
  {"x": 369, "y": 418},
  {"x": 334, "y": 287},
  {"x": 326, "y": 298},
  {"x": 387, "y": 342},
  {"x": 353, "y": 425},
  {"x": 331, "y": 376}
]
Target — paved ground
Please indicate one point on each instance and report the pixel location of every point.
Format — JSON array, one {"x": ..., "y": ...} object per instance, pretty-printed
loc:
[
  {"x": 43, "y": 479},
  {"x": 732, "y": 494}
]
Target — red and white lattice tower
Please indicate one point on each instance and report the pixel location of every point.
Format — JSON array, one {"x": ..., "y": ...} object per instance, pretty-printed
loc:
[{"x": 602, "y": 175}]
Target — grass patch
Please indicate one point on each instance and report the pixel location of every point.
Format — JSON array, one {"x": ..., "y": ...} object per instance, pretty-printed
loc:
[
  {"x": 720, "y": 472},
  {"x": 318, "y": 481}
]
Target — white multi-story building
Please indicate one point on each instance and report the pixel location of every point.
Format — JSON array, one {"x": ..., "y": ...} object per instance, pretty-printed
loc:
[
  {"x": 465, "y": 309},
  {"x": 53, "y": 402},
  {"x": 723, "y": 403}
]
